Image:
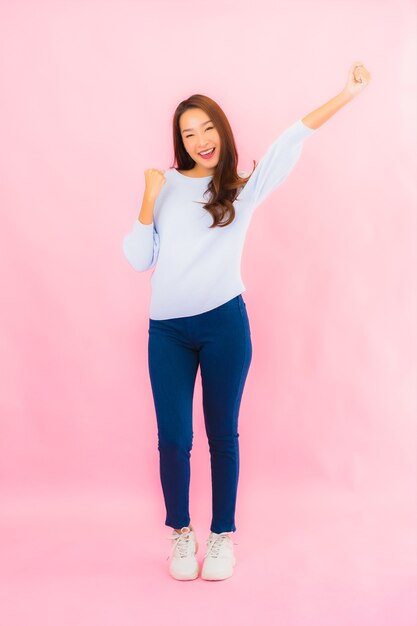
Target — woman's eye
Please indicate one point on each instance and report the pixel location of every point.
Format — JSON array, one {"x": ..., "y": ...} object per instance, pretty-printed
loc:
[{"x": 208, "y": 128}]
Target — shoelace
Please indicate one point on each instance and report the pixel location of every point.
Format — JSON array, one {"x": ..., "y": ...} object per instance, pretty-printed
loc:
[
  {"x": 215, "y": 544},
  {"x": 181, "y": 544}
]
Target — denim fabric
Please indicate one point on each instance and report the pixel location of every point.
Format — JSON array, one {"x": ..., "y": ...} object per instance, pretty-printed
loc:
[{"x": 219, "y": 341}]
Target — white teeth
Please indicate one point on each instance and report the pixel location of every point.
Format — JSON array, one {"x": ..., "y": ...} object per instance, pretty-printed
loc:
[{"x": 207, "y": 151}]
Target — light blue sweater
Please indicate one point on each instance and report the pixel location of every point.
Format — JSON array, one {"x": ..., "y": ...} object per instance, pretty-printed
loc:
[{"x": 197, "y": 268}]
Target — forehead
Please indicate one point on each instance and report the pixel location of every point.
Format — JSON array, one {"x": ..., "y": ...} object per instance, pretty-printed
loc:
[{"x": 193, "y": 118}]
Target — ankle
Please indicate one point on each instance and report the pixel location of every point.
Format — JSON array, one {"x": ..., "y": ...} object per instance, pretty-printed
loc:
[{"x": 178, "y": 530}]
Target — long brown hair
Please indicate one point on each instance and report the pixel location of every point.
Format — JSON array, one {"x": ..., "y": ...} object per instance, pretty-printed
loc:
[{"x": 226, "y": 182}]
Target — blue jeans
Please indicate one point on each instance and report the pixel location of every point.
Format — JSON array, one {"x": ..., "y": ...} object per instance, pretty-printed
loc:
[{"x": 219, "y": 341}]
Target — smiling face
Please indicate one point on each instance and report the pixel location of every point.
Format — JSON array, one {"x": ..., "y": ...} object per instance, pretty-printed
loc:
[{"x": 199, "y": 135}]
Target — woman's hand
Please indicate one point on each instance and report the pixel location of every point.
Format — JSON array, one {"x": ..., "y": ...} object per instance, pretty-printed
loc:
[
  {"x": 154, "y": 181},
  {"x": 358, "y": 79}
]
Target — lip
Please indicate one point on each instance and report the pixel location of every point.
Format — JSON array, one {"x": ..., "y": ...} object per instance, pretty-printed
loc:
[{"x": 206, "y": 150}]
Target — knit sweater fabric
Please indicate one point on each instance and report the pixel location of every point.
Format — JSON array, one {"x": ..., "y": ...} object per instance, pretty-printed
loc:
[{"x": 197, "y": 268}]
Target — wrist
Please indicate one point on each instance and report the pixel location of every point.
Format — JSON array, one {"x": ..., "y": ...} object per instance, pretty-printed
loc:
[
  {"x": 346, "y": 95},
  {"x": 149, "y": 197}
]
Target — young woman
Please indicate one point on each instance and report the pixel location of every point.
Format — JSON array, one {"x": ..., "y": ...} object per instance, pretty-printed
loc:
[{"x": 191, "y": 229}]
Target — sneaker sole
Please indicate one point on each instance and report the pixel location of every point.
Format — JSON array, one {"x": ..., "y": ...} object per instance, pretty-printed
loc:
[{"x": 193, "y": 577}]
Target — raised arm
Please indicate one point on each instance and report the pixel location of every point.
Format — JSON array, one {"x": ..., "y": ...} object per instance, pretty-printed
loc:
[
  {"x": 284, "y": 152},
  {"x": 358, "y": 78},
  {"x": 141, "y": 245}
]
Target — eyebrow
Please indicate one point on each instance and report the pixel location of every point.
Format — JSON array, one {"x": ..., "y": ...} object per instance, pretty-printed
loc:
[{"x": 185, "y": 129}]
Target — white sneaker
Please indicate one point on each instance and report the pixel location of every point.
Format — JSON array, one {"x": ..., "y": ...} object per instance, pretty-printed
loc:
[
  {"x": 219, "y": 559},
  {"x": 183, "y": 562}
]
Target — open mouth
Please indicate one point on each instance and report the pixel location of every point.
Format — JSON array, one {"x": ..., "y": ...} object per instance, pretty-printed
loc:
[{"x": 207, "y": 155}]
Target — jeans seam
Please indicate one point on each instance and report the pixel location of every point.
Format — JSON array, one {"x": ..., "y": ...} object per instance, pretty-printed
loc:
[{"x": 245, "y": 356}]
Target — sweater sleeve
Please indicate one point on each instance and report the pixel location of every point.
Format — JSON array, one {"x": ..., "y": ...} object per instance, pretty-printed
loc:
[
  {"x": 276, "y": 164},
  {"x": 141, "y": 246}
]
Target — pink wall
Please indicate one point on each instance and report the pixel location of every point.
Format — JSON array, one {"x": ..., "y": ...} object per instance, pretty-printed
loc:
[{"x": 88, "y": 90}]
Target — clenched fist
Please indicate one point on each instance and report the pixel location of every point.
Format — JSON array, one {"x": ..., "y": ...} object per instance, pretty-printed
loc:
[
  {"x": 358, "y": 78},
  {"x": 154, "y": 181}
]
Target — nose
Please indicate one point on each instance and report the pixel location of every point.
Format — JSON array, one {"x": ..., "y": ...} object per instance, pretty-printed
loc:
[
  {"x": 203, "y": 141},
  {"x": 204, "y": 146}
]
